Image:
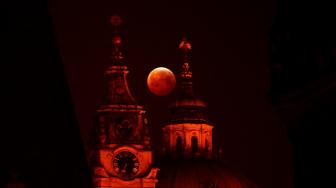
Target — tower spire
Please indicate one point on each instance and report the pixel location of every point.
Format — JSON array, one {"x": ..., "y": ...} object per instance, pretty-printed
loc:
[
  {"x": 189, "y": 132},
  {"x": 185, "y": 46},
  {"x": 117, "y": 55},
  {"x": 117, "y": 86},
  {"x": 186, "y": 74}
]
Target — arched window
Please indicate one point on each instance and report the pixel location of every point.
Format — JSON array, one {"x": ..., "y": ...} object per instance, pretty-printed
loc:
[
  {"x": 194, "y": 144},
  {"x": 179, "y": 148}
]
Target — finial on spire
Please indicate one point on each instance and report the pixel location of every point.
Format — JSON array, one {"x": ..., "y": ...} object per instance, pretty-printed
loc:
[
  {"x": 116, "y": 40},
  {"x": 185, "y": 44}
]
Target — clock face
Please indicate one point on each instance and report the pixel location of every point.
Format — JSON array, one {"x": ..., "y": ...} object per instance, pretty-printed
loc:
[{"x": 126, "y": 165}]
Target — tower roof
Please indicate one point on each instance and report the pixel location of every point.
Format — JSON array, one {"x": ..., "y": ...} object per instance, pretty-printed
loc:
[
  {"x": 116, "y": 75},
  {"x": 187, "y": 108}
]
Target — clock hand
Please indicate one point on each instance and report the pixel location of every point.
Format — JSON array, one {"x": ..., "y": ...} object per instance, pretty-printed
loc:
[{"x": 124, "y": 168}]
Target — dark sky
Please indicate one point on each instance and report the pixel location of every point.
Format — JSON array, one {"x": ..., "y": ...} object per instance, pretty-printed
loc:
[{"x": 230, "y": 62}]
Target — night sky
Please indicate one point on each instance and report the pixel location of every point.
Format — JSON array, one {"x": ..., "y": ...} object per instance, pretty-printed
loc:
[{"x": 230, "y": 64}]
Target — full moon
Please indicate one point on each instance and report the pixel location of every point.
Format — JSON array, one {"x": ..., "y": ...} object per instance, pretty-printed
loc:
[{"x": 161, "y": 81}]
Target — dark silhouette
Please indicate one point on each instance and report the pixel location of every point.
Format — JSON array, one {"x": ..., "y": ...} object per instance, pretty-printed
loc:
[
  {"x": 303, "y": 82},
  {"x": 39, "y": 134}
]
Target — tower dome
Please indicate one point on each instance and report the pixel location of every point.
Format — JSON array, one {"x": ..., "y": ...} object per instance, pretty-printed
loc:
[
  {"x": 189, "y": 132},
  {"x": 187, "y": 108}
]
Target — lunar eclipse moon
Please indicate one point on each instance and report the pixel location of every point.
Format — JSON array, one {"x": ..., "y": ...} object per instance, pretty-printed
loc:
[{"x": 161, "y": 81}]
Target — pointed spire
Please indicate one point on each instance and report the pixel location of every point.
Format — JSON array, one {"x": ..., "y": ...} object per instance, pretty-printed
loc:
[
  {"x": 117, "y": 55},
  {"x": 116, "y": 74},
  {"x": 185, "y": 46},
  {"x": 186, "y": 74}
]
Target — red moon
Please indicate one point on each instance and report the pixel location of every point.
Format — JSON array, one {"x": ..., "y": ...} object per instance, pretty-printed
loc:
[{"x": 161, "y": 81}]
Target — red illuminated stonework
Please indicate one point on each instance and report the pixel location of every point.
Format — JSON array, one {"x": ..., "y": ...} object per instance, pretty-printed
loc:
[{"x": 123, "y": 156}]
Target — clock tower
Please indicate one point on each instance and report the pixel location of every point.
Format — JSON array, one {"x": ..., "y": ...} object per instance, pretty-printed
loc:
[{"x": 122, "y": 154}]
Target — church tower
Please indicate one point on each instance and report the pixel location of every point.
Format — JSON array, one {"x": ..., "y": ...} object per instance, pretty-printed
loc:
[
  {"x": 189, "y": 132},
  {"x": 188, "y": 136},
  {"x": 122, "y": 154}
]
